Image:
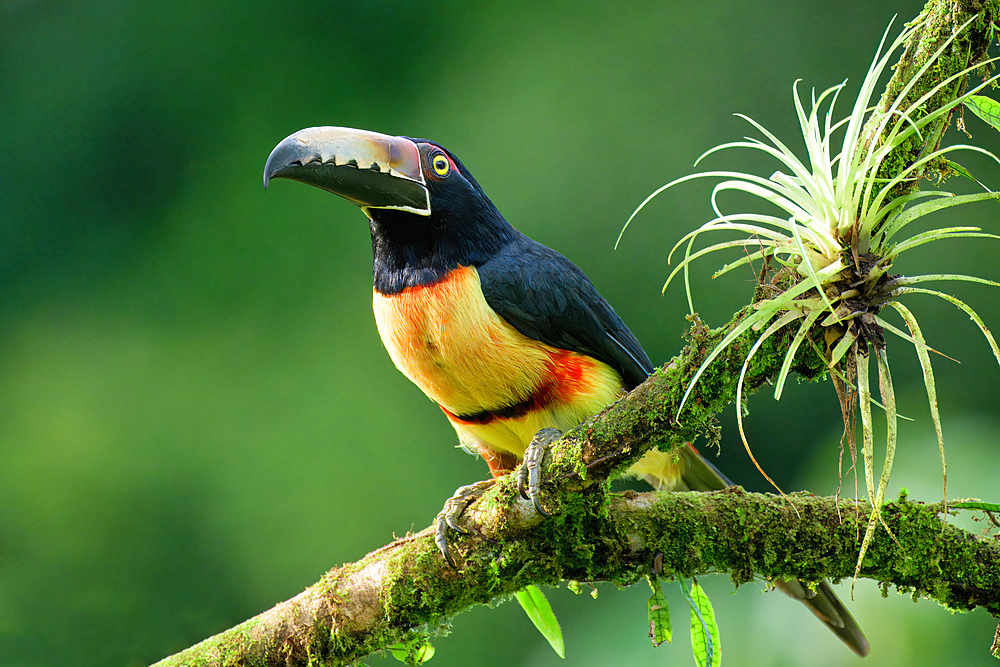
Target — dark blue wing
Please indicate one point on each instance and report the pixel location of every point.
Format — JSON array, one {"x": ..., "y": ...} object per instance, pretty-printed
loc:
[{"x": 547, "y": 298}]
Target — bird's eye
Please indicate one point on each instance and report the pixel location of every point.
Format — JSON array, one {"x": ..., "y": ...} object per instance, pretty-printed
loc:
[{"x": 441, "y": 165}]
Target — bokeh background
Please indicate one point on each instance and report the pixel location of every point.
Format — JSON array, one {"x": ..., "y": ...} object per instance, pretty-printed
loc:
[{"x": 197, "y": 417}]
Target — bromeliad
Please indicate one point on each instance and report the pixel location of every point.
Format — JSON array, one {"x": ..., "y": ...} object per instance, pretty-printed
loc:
[{"x": 839, "y": 235}]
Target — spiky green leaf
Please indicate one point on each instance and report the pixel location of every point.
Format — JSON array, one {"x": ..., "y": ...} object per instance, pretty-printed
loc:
[
  {"x": 929, "y": 386},
  {"x": 945, "y": 200},
  {"x": 937, "y": 235},
  {"x": 810, "y": 270},
  {"x": 765, "y": 310},
  {"x": 775, "y": 326},
  {"x": 867, "y": 439},
  {"x": 961, "y": 171},
  {"x": 912, "y": 280},
  {"x": 965, "y": 308},
  {"x": 842, "y": 347},
  {"x": 876, "y": 498},
  {"x": 793, "y": 349}
]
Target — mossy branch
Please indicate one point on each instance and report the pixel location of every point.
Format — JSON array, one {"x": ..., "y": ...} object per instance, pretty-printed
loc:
[
  {"x": 938, "y": 21},
  {"x": 406, "y": 589}
]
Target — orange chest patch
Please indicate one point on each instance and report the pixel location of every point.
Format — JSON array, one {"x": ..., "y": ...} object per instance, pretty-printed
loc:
[
  {"x": 452, "y": 345},
  {"x": 464, "y": 356}
]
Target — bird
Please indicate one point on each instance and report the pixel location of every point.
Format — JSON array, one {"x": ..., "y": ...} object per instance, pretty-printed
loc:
[{"x": 506, "y": 335}]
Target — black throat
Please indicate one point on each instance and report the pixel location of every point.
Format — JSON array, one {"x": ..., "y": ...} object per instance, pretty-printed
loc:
[{"x": 410, "y": 250}]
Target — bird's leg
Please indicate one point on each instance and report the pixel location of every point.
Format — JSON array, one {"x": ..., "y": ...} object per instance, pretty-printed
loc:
[
  {"x": 500, "y": 464},
  {"x": 529, "y": 476},
  {"x": 452, "y": 510}
]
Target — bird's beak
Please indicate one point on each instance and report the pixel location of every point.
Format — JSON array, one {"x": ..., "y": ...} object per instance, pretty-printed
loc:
[{"x": 370, "y": 169}]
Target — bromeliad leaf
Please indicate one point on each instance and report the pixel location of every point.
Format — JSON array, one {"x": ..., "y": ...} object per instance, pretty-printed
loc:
[
  {"x": 930, "y": 387},
  {"x": 961, "y": 171},
  {"x": 897, "y": 222},
  {"x": 964, "y": 307},
  {"x": 540, "y": 612}
]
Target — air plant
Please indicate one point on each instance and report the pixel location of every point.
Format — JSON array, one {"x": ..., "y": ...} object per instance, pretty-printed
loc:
[{"x": 840, "y": 231}]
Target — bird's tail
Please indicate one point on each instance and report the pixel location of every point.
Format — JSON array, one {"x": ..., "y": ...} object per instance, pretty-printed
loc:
[{"x": 827, "y": 607}]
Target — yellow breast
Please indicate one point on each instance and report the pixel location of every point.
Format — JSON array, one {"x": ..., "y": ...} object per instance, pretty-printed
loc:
[{"x": 452, "y": 345}]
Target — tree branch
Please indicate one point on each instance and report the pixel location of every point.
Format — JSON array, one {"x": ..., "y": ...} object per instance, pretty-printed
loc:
[
  {"x": 938, "y": 22},
  {"x": 406, "y": 589}
]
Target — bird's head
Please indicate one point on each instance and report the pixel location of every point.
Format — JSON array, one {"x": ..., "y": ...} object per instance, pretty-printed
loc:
[{"x": 418, "y": 196}]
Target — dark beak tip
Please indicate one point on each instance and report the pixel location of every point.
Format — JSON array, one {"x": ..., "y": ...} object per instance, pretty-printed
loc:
[
  {"x": 277, "y": 162},
  {"x": 273, "y": 172},
  {"x": 268, "y": 172}
]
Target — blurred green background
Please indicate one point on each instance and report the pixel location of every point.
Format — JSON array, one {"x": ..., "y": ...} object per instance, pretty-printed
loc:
[{"x": 197, "y": 417}]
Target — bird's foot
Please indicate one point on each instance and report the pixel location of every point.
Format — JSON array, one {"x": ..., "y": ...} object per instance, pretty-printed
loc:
[
  {"x": 450, "y": 513},
  {"x": 529, "y": 476},
  {"x": 529, "y": 481}
]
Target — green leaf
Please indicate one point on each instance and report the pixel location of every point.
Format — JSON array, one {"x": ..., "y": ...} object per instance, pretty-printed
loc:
[
  {"x": 782, "y": 321},
  {"x": 540, "y": 612},
  {"x": 962, "y": 306},
  {"x": 867, "y": 440},
  {"x": 800, "y": 335},
  {"x": 938, "y": 235},
  {"x": 659, "y": 615},
  {"x": 704, "y": 630},
  {"x": 417, "y": 651},
  {"x": 845, "y": 344},
  {"x": 913, "y": 280},
  {"x": 811, "y": 271},
  {"x": 945, "y": 200},
  {"x": 986, "y": 108},
  {"x": 920, "y": 345},
  {"x": 876, "y": 497},
  {"x": 977, "y": 505},
  {"x": 765, "y": 310},
  {"x": 960, "y": 170}
]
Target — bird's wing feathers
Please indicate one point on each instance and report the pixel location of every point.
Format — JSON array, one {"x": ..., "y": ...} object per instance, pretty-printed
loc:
[{"x": 547, "y": 298}]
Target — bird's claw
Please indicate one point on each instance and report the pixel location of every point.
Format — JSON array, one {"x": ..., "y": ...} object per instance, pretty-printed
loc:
[
  {"x": 450, "y": 513},
  {"x": 529, "y": 475},
  {"x": 529, "y": 481}
]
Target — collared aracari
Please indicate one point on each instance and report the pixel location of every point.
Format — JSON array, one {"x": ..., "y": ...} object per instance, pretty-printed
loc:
[{"x": 506, "y": 335}]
